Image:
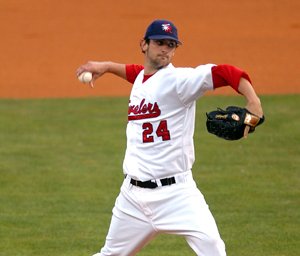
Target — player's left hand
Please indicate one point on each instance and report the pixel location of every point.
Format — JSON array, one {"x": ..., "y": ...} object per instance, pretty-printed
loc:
[{"x": 233, "y": 123}]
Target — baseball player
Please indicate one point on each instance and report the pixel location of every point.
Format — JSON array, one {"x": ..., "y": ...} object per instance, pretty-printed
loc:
[{"x": 159, "y": 194}]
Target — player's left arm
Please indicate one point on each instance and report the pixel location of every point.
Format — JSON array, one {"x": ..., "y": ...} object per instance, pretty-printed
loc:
[
  {"x": 253, "y": 102},
  {"x": 239, "y": 80}
]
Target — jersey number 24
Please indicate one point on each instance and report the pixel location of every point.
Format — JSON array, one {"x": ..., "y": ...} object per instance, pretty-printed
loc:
[{"x": 161, "y": 131}]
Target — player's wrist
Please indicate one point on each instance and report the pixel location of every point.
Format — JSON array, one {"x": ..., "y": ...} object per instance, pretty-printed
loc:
[{"x": 254, "y": 106}]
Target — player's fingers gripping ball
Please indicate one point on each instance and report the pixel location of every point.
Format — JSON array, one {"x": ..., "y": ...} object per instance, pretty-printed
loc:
[
  {"x": 85, "y": 77},
  {"x": 230, "y": 124}
]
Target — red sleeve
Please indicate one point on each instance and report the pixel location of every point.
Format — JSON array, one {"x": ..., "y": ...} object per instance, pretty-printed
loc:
[
  {"x": 224, "y": 75},
  {"x": 132, "y": 71}
]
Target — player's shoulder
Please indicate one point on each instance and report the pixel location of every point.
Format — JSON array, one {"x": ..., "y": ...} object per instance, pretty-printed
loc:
[
  {"x": 132, "y": 71},
  {"x": 198, "y": 67},
  {"x": 177, "y": 70},
  {"x": 200, "y": 70}
]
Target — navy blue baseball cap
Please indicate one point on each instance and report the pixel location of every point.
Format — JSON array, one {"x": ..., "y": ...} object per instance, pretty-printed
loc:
[{"x": 162, "y": 29}]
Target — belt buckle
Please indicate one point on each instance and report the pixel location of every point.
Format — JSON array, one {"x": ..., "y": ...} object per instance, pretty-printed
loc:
[
  {"x": 167, "y": 181},
  {"x": 134, "y": 182}
]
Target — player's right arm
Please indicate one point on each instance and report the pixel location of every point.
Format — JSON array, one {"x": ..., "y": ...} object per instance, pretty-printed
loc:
[
  {"x": 98, "y": 69},
  {"x": 127, "y": 72}
]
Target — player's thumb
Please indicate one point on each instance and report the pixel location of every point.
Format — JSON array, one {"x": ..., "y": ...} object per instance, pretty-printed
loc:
[{"x": 246, "y": 131}]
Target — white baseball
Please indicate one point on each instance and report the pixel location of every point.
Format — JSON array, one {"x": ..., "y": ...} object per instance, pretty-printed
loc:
[{"x": 85, "y": 77}]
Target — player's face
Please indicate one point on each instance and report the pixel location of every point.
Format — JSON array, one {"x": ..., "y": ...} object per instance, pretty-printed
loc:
[{"x": 159, "y": 53}]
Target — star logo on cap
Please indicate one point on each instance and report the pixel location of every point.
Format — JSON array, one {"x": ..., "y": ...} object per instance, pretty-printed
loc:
[{"x": 167, "y": 28}]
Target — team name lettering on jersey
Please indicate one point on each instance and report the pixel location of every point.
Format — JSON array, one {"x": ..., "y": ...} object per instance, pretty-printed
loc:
[{"x": 143, "y": 111}]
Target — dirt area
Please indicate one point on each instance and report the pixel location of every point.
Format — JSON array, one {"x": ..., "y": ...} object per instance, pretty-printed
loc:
[{"x": 44, "y": 41}]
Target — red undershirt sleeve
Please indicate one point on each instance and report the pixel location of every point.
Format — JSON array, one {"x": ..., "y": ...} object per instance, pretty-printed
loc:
[
  {"x": 132, "y": 71},
  {"x": 224, "y": 75}
]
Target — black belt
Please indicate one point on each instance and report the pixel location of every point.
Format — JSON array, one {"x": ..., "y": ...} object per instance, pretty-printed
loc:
[{"x": 151, "y": 184}]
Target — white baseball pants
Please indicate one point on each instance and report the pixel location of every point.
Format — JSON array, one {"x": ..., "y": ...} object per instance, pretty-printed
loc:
[{"x": 140, "y": 214}]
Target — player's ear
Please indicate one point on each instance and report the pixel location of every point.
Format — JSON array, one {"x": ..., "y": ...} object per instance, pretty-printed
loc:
[{"x": 144, "y": 45}]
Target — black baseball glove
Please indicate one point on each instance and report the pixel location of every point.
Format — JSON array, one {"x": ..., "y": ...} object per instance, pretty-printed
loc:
[{"x": 230, "y": 124}]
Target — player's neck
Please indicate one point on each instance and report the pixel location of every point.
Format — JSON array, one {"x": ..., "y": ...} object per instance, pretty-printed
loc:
[{"x": 150, "y": 69}]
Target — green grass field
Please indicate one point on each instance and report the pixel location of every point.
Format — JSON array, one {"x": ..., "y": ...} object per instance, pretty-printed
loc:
[{"x": 60, "y": 172}]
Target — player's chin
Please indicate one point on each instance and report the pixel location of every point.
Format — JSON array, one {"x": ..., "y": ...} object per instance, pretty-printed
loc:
[{"x": 163, "y": 62}]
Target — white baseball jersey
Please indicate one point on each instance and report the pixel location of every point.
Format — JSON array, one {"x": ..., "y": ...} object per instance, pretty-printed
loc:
[{"x": 161, "y": 121}]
